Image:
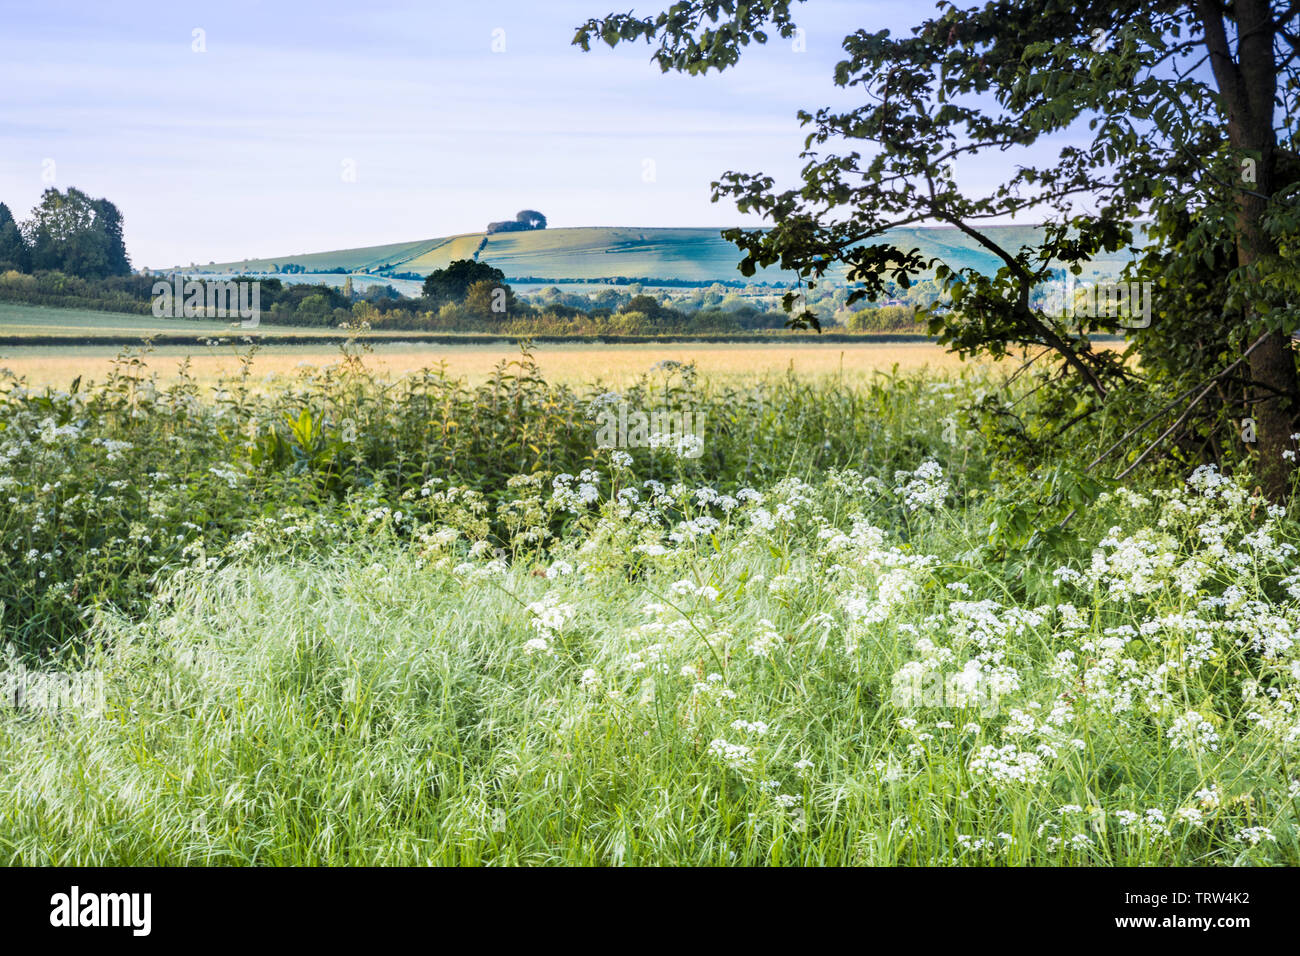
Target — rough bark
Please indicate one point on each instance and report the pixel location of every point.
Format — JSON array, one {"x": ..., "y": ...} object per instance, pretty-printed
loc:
[{"x": 1248, "y": 84}]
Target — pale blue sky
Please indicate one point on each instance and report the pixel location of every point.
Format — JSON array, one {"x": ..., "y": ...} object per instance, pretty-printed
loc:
[{"x": 239, "y": 151}]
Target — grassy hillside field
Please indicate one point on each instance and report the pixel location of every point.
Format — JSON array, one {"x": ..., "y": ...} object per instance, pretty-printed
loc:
[{"x": 604, "y": 252}]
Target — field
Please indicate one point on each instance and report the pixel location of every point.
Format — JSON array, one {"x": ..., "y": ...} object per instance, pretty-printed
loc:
[
  {"x": 599, "y": 252},
  {"x": 19, "y": 321},
  {"x": 34, "y": 321},
  {"x": 56, "y": 367},
  {"x": 579, "y": 253},
  {"x": 394, "y": 354},
  {"x": 349, "y": 617}
]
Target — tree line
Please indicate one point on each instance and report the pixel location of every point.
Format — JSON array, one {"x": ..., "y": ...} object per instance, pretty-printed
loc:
[{"x": 68, "y": 232}]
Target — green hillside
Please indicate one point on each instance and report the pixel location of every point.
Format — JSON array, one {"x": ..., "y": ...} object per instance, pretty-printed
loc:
[{"x": 594, "y": 253}]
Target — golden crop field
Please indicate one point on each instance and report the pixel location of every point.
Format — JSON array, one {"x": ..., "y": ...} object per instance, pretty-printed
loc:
[{"x": 58, "y": 366}]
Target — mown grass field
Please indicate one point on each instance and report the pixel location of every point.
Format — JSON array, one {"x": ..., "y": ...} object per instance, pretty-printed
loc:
[{"x": 35, "y": 322}]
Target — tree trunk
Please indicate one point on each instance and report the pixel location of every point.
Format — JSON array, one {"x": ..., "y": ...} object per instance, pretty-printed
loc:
[
  {"x": 1272, "y": 370},
  {"x": 1248, "y": 84}
]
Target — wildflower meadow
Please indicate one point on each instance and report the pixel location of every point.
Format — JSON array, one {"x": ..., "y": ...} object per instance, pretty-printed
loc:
[{"x": 349, "y": 619}]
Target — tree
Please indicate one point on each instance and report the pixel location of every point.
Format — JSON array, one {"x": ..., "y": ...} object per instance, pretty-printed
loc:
[
  {"x": 14, "y": 253},
  {"x": 314, "y": 308},
  {"x": 73, "y": 233},
  {"x": 606, "y": 299},
  {"x": 531, "y": 219},
  {"x": 1180, "y": 112},
  {"x": 451, "y": 284},
  {"x": 525, "y": 220},
  {"x": 646, "y": 304},
  {"x": 491, "y": 300}
]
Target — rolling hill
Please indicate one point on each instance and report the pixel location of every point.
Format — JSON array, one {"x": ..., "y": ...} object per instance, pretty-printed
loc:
[{"x": 595, "y": 253}]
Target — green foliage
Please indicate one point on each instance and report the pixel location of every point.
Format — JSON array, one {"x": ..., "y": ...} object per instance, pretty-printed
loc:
[
  {"x": 75, "y": 234},
  {"x": 14, "y": 253},
  {"x": 1209, "y": 152},
  {"x": 451, "y": 285},
  {"x": 525, "y": 220},
  {"x": 492, "y": 301},
  {"x": 672, "y": 676},
  {"x": 885, "y": 318},
  {"x": 347, "y": 619},
  {"x": 647, "y": 305},
  {"x": 104, "y": 491}
]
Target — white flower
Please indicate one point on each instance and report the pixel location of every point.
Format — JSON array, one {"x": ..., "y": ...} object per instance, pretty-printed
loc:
[
  {"x": 1255, "y": 835},
  {"x": 1007, "y": 765},
  {"x": 766, "y": 641},
  {"x": 1192, "y": 732},
  {"x": 922, "y": 488},
  {"x": 736, "y": 756}
]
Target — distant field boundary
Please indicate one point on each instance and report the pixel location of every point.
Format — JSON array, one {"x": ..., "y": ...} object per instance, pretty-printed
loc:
[{"x": 464, "y": 338}]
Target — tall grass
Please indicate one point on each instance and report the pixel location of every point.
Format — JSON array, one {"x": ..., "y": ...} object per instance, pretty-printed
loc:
[
  {"x": 104, "y": 491},
  {"x": 361, "y": 621},
  {"x": 728, "y": 697}
]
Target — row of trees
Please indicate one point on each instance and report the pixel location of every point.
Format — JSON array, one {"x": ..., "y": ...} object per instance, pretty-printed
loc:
[
  {"x": 478, "y": 293},
  {"x": 68, "y": 232},
  {"x": 473, "y": 296}
]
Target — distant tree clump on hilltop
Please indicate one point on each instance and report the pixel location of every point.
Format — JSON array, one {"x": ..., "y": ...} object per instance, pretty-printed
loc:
[{"x": 524, "y": 221}]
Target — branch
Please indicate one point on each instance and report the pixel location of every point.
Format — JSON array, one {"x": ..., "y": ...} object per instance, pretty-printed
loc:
[
  {"x": 1135, "y": 430},
  {"x": 1048, "y": 335}
]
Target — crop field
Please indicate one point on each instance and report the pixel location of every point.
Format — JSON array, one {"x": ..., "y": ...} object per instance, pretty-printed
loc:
[
  {"x": 58, "y": 366},
  {"x": 222, "y": 348}
]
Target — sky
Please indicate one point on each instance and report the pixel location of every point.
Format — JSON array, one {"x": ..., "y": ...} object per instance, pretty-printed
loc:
[{"x": 242, "y": 129}]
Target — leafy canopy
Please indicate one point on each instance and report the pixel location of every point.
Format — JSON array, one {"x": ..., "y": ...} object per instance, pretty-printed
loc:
[{"x": 1164, "y": 127}]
